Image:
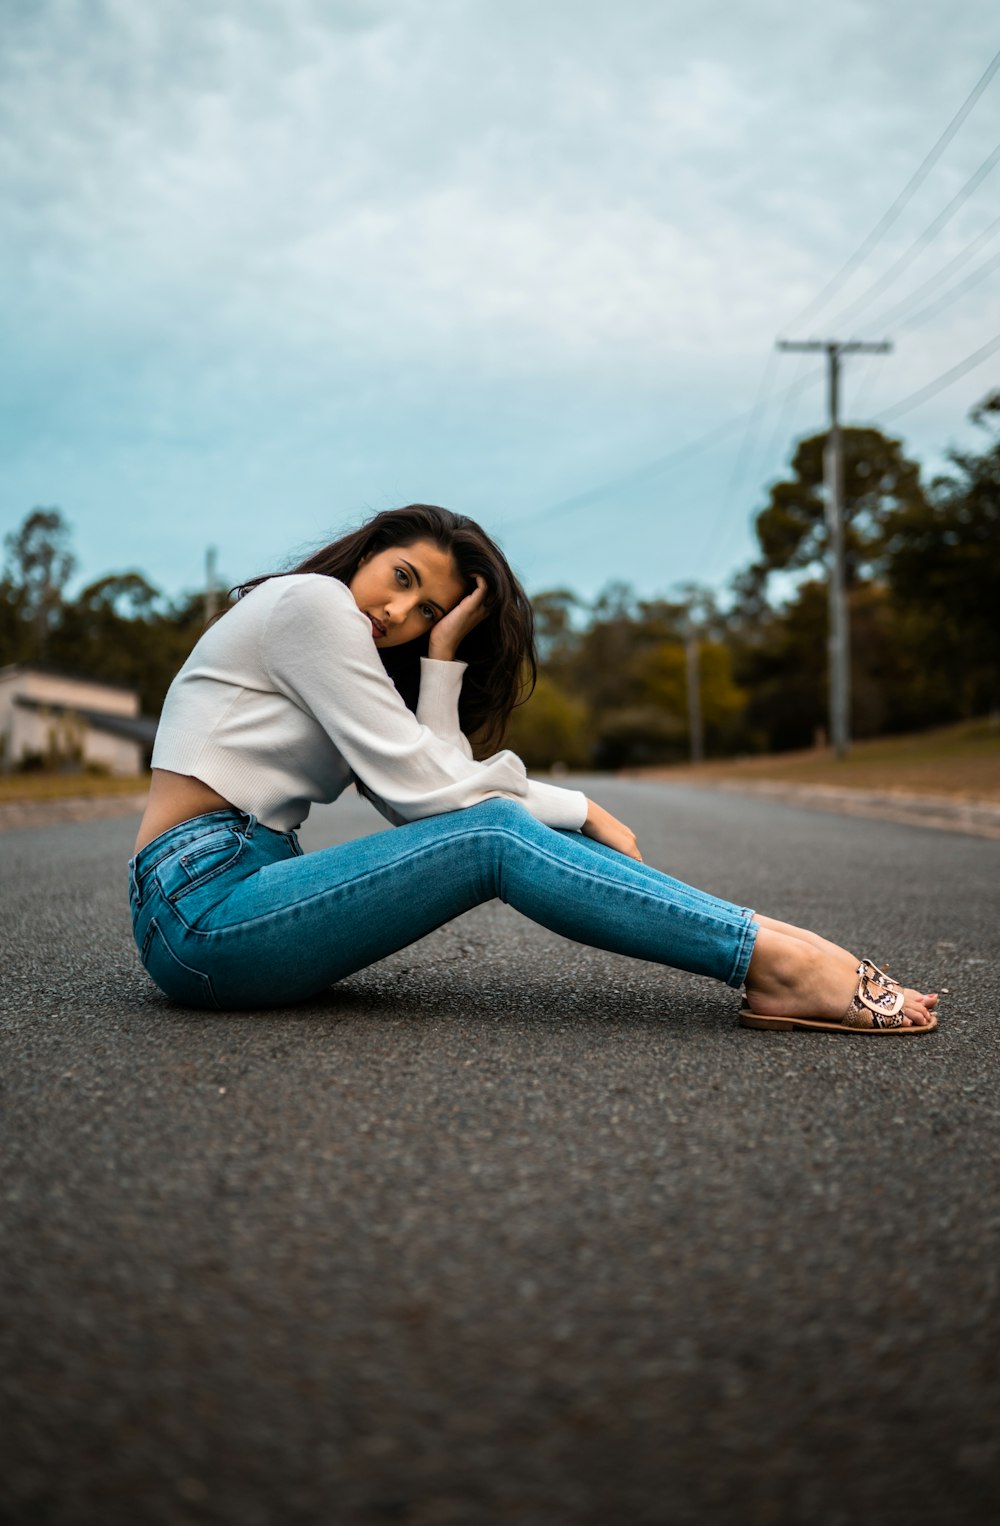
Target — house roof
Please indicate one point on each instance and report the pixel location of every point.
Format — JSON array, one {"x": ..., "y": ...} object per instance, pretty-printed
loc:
[
  {"x": 134, "y": 728},
  {"x": 50, "y": 670}
]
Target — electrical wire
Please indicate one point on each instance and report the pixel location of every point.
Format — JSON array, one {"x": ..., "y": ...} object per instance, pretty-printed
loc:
[
  {"x": 653, "y": 468},
  {"x": 915, "y": 319},
  {"x": 799, "y": 384},
  {"x": 891, "y": 315},
  {"x": 889, "y": 216},
  {"x": 864, "y": 386},
  {"x": 632, "y": 479},
  {"x": 940, "y": 303},
  {"x": 941, "y": 382},
  {"x": 714, "y": 535},
  {"x": 920, "y": 242},
  {"x": 753, "y": 423}
]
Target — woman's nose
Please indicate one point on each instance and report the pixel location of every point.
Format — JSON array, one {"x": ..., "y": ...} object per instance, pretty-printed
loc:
[{"x": 398, "y": 608}]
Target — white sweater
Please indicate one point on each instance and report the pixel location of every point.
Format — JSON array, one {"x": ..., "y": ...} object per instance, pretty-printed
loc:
[{"x": 284, "y": 700}]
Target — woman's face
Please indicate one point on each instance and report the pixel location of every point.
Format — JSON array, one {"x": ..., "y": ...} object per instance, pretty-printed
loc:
[{"x": 405, "y": 590}]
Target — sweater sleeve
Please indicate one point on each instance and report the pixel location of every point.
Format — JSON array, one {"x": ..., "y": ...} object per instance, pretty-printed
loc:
[
  {"x": 317, "y": 650},
  {"x": 437, "y": 706}
]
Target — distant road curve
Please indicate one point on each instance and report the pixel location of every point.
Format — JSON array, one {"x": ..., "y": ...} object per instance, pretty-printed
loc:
[
  {"x": 977, "y": 818},
  {"x": 947, "y": 813}
]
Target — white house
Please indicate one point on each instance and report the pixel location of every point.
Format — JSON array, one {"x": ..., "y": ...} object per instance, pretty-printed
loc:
[{"x": 65, "y": 719}]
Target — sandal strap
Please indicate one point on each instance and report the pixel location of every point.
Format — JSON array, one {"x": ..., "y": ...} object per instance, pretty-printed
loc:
[{"x": 878, "y": 1002}]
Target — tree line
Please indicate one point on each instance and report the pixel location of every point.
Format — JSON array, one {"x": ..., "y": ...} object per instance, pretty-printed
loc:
[{"x": 923, "y": 580}]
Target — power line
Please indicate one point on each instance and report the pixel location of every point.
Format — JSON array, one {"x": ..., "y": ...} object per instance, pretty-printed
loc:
[
  {"x": 937, "y": 306},
  {"x": 632, "y": 479},
  {"x": 650, "y": 470},
  {"x": 933, "y": 228},
  {"x": 916, "y": 319},
  {"x": 890, "y": 315},
  {"x": 867, "y": 377},
  {"x": 722, "y": 514},
  {"x": 753, "y": 423},
  {"x": 799, "y": 384},
  {"x": 916, "y": 179},
  {"x": 941, "y": 382}
]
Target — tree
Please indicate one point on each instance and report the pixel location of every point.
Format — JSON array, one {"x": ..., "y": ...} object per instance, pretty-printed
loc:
[
  {"x": 128, "y": 595},
  {"x": 551, "y": 727},
  {"x": 780, "y": 661},
  {"x": 121, "y": 630},
  {"x": 662, "y": 674},
  {"x": 39, "y": 565},
  {"x": 942, "y": 558},
  {"x": 554, "y": 610},
  {"x": 878, "y": 481},
  {"x": 781, "y": 652}
]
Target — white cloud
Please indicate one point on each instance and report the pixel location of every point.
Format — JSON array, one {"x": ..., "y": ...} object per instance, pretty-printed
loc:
[{"x": 218, "y": 217}]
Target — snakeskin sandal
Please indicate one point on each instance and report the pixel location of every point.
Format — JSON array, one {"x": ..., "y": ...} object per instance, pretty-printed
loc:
[{"x": 876, "y": 1007}]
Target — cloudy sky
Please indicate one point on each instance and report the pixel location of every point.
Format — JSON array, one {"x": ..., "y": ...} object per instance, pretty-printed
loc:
[{"x": 272, "y": 264}]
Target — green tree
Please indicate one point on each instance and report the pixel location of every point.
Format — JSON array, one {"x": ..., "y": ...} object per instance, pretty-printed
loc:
[
  {"x": 780, "y": 651},
  {"x": 129, "y": 595},
  {"x": 39, "y": 563},
  {"x": 551, "y": 727},
  {"x": 661, "y": 673},
  {"x": 554, "y": 611},
  {"x": 111, "y": 630},
  {"x": 121, "y": 629},
  {"x": 878, "y": 481},
  {"x": 942, "y": 559},
  {"x": 779, "y": 660}
]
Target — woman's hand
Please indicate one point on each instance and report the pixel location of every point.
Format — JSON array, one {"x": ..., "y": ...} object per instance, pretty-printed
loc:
[
  {"x": 605, "y": 828},
  {"x": 450, "y": 632}
]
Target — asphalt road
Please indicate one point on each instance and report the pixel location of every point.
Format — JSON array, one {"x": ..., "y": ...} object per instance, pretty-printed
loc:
[{"x": 505, "y": 1229}]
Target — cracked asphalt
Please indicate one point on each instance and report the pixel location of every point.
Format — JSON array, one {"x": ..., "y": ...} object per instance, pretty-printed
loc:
[{"x": 504, "y": 1229}]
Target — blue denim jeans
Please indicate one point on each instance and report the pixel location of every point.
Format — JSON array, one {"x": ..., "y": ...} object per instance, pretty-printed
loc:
[{"x": 230, "y": 914}]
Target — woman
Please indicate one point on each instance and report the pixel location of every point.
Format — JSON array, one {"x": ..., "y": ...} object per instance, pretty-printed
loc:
[{"x": 373, "y": 662}]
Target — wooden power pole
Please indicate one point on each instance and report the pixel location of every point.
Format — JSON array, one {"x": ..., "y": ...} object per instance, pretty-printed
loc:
[
  {"x": 833, "y": 476},
  {"x": 695, "y": 729},
  {"x": 211, "y": 581}
]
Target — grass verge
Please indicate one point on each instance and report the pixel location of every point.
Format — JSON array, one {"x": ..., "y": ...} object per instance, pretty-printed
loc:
[
  {"x": 959, "y": 761},
  {"x": 19, "y": 789}
]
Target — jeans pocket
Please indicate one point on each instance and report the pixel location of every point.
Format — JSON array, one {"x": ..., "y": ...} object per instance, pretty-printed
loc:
[
  {"x": 175, "y": 978},
  {"x": 199, "y": 862}
]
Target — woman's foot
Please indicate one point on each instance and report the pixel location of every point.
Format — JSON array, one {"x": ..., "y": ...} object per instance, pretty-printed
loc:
[
  {"x": 792, "y": 977},
  {"x": 917, "y": 1004}
]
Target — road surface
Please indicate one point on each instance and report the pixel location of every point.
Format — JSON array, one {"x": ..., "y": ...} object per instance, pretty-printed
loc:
[{"x": 505, "y": 1229}]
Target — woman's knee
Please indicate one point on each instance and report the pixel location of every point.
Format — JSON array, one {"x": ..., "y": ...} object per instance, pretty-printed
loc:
[{"x": 503, "y": 813}]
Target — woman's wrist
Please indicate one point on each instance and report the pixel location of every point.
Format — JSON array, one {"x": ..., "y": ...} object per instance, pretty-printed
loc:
[{"x": 605, "y": 828}]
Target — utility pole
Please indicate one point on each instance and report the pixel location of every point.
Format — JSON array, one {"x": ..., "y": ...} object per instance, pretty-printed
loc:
[
  {"x": 694, "y": 694},
  {"x": 833, "y": 475},
  {"x": 211, "y": 590},
  {"x": 697, "y": 612}
]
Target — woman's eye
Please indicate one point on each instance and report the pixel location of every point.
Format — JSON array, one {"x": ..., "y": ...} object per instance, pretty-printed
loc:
[
  {"x": 402, "y": 577},
  {"x": 429, "y": 613}
]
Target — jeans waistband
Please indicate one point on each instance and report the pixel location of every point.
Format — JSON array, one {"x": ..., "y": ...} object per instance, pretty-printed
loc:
[{"x": 154, "y": 852}]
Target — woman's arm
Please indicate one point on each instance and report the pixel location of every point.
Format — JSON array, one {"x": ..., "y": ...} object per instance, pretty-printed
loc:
[
  {"x": 437, "y": 703},
  {"x": 605, "y": 828},
  {"x": 317, "y": 650},
  {"x": 450, "y": 631},
  {"x": 441, "y": 673}
]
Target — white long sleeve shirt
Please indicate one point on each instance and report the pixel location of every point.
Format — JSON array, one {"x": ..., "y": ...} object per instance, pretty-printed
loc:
[{"x": 285, "y": 700}]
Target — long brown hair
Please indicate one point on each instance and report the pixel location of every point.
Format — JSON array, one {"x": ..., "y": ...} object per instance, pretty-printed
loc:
[{"x": 500, "y": 651}]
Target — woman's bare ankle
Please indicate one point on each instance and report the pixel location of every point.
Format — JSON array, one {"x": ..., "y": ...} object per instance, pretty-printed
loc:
[{"x": 789, "y": 977}]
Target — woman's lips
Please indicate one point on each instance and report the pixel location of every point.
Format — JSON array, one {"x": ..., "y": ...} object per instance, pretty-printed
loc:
[{"x": 378, "y": 629}]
